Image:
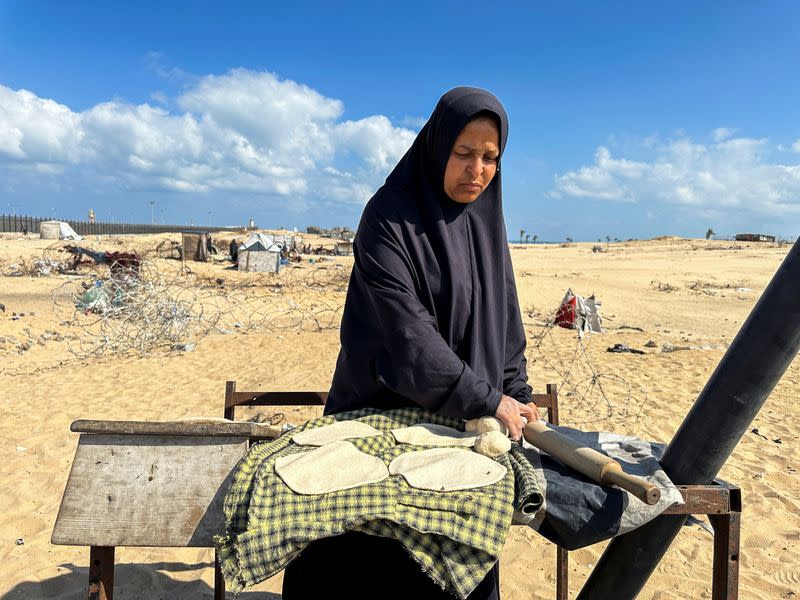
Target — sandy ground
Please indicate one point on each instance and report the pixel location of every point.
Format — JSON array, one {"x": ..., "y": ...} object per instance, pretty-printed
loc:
[{"x": 685, "y": 293}]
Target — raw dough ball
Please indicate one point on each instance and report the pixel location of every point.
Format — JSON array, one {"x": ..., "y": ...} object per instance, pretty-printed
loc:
[
  {"x": 492, "y": 444},
  {"x": 471, "y": 425},
  {"x": 485, "y": 424}
]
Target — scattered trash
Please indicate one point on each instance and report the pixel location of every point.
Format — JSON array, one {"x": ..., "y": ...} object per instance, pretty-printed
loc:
[
  {"x": 743, "y": 289},
  {"x": 20, "y": 542},
  {"x": 576, "y": 312},
  {"x": 2, "y": 307},
  {"x": 624, "y": 348},
  {"x": 755, "y": 430},
  {"x": 667, "y": 347},
  {"x": 777, "y": 441},
  {"x": 650, "y": 344},
  {"x": 21, "y": 449},
  {"x": 183, "y": 347}
]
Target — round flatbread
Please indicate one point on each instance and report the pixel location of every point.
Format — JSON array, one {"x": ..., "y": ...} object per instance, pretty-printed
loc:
[
  {"x": 330, "y": 468},
  {"x": 341, "y": 430},
  {"x": 447, "y": 469},
  {"x": 430, "y": 434}
]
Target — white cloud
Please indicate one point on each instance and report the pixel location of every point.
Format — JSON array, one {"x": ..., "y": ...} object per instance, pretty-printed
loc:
[
  {"x": 796, "y": 146},
  {"x": 722, "y": 133},
  {"x": 244, "y": 131},
  {"x": 734, "y": 173}
]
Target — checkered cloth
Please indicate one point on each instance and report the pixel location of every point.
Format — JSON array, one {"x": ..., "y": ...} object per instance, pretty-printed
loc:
[{"x": 455, "y": 537}]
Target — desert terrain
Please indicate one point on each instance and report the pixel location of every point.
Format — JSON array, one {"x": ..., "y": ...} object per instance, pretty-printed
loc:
[{"x": 679, "y": 301}]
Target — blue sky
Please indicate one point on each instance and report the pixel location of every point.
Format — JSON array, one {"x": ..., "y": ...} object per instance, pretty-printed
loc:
[{"x": 626, "y": 119}]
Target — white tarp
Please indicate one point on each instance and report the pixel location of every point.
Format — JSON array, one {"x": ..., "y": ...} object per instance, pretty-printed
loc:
[{"x": 577, "y": 312}]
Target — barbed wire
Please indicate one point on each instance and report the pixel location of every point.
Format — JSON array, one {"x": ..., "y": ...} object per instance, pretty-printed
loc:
[
  {"x": 168, "y": 309},
  {"x": 586, "y": 394}
]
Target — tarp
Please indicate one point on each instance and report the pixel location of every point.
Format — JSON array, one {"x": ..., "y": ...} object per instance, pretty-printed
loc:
[
  {"x": 67, "y": 232},
  {"x": 578, "y": 512},
  {"x": 260, "y": 241},
  {"x": 576, "y": 312}
]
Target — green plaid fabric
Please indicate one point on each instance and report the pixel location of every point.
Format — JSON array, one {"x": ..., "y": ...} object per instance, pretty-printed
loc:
[{"x": 455, "y": 537}]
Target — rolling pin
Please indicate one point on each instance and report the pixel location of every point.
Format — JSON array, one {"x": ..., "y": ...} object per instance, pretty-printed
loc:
[{"x": 593, "y": 464}]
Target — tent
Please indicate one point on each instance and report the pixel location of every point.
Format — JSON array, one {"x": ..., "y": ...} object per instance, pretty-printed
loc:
[
  {"x": 260, "y": 253},
  {"x": 57, "y": 230},
  {"x": 576, "y": 312}
]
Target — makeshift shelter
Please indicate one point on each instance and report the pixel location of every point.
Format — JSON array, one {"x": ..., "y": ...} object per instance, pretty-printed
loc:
[
  {"x": 259, "y": 254},
  {"x": 195, "y": 246},
  {"x": 344, "y": 247},
  {"x": 57, "y": 230},
  {"x": 576, "y": 312}
]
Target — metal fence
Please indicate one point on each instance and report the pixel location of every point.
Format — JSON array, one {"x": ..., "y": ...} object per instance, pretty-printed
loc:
[{"x": 21, "y": 223}]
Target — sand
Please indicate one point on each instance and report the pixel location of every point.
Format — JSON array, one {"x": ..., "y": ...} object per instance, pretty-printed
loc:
[{"x": 687, "y": 293}]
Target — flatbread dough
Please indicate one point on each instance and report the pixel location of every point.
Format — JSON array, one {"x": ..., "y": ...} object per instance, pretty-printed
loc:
[
  {"x": 430, "y": 434},
  {"x": 446, "y": 469},
  {"x": 330, "y": 468},
  {"x": 341, "y": 430}
]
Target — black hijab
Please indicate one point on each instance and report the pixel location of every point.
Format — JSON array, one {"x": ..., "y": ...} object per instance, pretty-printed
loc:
[{"x": 432, "y": 317}]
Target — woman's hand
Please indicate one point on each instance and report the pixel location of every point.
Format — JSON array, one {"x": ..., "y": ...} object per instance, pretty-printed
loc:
[{"x": 509, "y": 412}]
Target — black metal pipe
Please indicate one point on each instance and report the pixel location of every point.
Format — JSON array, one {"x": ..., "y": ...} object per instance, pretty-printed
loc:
[{"x": 753, "y": 364}]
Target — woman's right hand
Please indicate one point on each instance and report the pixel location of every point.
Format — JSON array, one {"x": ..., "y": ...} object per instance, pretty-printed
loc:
[{"x": 510, "y": 412}]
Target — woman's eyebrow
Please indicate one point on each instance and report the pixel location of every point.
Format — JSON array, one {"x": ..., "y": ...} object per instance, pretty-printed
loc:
[{"x": 472, "y": 149}]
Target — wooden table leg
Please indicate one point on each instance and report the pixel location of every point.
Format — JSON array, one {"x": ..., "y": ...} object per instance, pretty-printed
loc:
[
  {"x": 725, "y": 575},
  {"x": 101, "y": 573},
  {"x": 562, "y": 573},
  {"x": 219, "y": 580}
]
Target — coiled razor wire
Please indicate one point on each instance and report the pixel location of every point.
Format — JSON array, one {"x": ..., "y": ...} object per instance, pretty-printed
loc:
[
  {"x": 165, "y": 309},
  {"x": 586, "y": 395}
]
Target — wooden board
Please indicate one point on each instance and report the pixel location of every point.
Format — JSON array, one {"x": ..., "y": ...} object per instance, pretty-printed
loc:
[{"x": 147, "y": 490}]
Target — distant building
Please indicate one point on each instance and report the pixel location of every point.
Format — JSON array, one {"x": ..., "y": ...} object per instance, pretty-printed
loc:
[{"x": 754, "y": 237}]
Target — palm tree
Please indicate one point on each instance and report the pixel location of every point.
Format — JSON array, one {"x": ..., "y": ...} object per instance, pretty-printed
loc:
[
  {"x": 521, "y": 233},
  {"x": 569, "y": 240},
  {"x": 536, "y": 237},
  {"x": 709, "y": 233},
  {"x": 527, "y": 237}
]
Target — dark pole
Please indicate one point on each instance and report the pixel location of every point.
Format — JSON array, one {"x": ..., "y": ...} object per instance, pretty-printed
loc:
[{"x": 754, "y": 363}]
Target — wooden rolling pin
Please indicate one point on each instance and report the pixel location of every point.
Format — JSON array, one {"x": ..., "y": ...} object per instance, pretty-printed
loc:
[{"x": 593, "y": 464}]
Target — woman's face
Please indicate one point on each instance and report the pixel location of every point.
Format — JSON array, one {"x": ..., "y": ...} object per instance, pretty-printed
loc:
[{"x": 473, "y": 160}]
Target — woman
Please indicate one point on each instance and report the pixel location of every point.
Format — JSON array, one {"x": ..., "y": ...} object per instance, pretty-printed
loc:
[{"x": 431, "y": 319}]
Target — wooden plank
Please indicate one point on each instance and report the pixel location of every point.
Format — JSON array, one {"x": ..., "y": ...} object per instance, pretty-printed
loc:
[
  {"x": 276, "y": 398},
  {"x": 211, "y": 428},
  {"x": 702, "y": 500},
  {"x": 147, "y": 490}
]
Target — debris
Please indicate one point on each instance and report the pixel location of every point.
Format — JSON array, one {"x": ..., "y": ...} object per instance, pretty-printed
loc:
[
  {"x": 777, "y": 441},
  {"x": 650, "y": 344},
  {"x": 183, "y": 347},
  {"x": 20, "y": 542},
  {"x": 624, "y": 348},
  {"x": 21, "y": 448},
  {"x": 631, "y": 327},
  {"x": 576, "y": 312},
  {"x": 3, "y": 307},
  {"x": 755, "y": 430}
]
